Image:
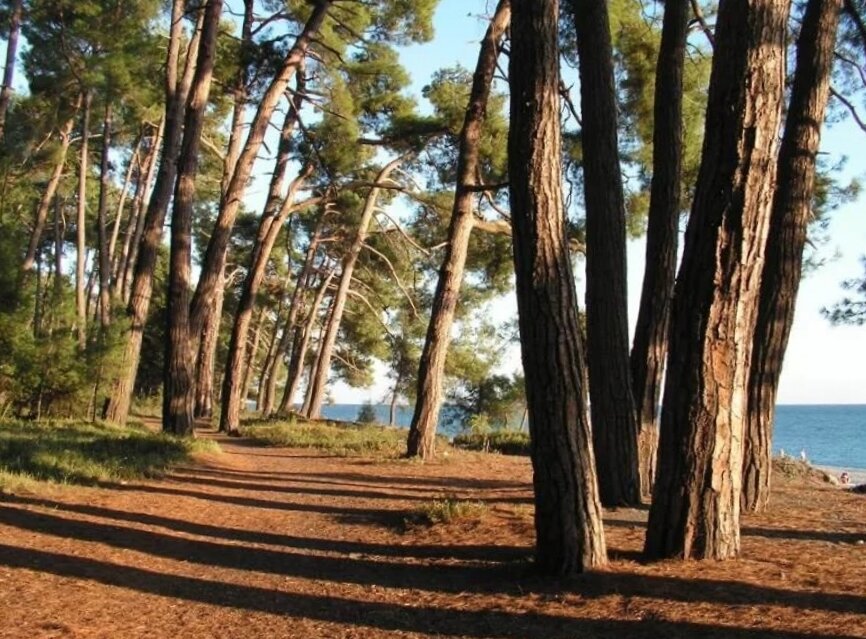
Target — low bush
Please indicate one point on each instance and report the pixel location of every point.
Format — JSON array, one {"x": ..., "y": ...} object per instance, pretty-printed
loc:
[
  {"x": 449, "y": 509},
  {"x": 507, "y": 442}
]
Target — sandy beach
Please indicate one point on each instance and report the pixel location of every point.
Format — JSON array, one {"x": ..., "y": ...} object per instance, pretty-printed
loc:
[{"x": 856, "y": 475}]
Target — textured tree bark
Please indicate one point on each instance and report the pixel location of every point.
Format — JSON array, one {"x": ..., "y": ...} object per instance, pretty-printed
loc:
[
  {"x": 783, "y": 262},
  {"x": 431, "y": 368},
  {"x": 695, "y": 512},
  {"x": 614, "y": 422},
  {"x": 176, "y": 92},
  {"x": 650, "y": 344},
  {"x": 9, "y": 68},
  {"x": 215, "y": 255},
  {"x": 205, "y": 365},
  {"x": 569, "y": 533},
  {"x": 50, "y": 191},
  {"x": 178, "y": 384},
  {"x": 320, "y": 379},
  {"x": 80, "y": 221},
  {"x": 101, "y": 222}
]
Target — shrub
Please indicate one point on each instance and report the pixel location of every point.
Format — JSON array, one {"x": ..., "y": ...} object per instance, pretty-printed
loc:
[
  {"x": 507, "y": 442},
  {"x": 367, "y": 414},
  {"x": 450, "y": 509},
  {"x": 338, "y": 438}
]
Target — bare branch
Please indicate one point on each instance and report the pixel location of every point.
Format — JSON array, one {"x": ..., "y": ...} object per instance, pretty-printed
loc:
[{"x": 851, "y": 108}]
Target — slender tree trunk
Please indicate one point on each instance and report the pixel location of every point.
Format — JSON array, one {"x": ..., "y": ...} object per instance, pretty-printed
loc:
[
  {"x": 50, "y": 191},
  {"x": 268, "y": 366},
  {"x": 101, "y": 213},
  {"x": 569, "y": 533},
  {"x": 176, "y": 92},
  {"x": 614, "y": 423},
  {"x": 9, "y": 68},
  {"x": 696, "y": 499},
  {"x": 205, "y": 372},
  {"x": 320, "y": 379},
  {"x": 59, "y": 233},
  {"x": 300, "y": 345},
  {"x": 783, "y": 263},
  {"x": 215, "y": 255},
  {"x": 134, "y": 162},
  {"x": 249, "y": 364},
  {"x": 179, "y": 386},
  {"x": 272, "y": 220},
  {"x": 317, "y": 360},
  {"x": 651, "y": 331},
  {"x": 81, "y": 237},
  {"x": 431, "y": 368}
]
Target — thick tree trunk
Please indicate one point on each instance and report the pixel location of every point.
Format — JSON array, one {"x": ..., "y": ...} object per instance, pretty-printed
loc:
[
  {"x": 205, "y": 365},
  {"x": 300, "y": 345},
  {"x": 651, "y": 331},
  {"x": 569, "y": 533},
  {"x": 215, "y": 255},
  {"x": 783, "y": 262},
  {"x": 319, "y": 380},
  {"x": 431, "y": 368},
  {"x": 176, "y": 92},
  {"x": 179, "y": 386},
  {"x": 48, "y": 195},
  {"x": 272, "y": 220},
  {"x": 102, "y": 235},
  {"x": 696, "y": 499},
  {"x": 614, "y": 422},
  {"x": 80, "y": 221},
  {"x": 9, "y": 67}
]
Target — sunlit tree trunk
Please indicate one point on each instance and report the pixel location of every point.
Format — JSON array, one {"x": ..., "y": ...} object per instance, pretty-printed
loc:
[
  {"x": 569, "y": 534},
  {"x": 205, "y": 365},
  {"x": 178, "y": 385},
  {"x": 651, "y": 331},
  {"x": 783, "y": 262},
  {"x": 80, "y": 222},
  {"x": 9, "y": 68},
  {"x": 695, "y": 512},
  {"x": 431, "y": 368},
  {"x": 101, "y": 222}
]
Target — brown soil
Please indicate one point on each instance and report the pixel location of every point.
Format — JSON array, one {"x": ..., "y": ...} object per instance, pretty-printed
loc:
[{"x": 266, "y": 542}]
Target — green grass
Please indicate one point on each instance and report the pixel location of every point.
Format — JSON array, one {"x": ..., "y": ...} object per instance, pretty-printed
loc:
[
  {"x": 507, "y": 442},
  {"x": 84, "y": 453},
  {"x": 339, "y": 438},
  {"x": 448, "y": 510}
]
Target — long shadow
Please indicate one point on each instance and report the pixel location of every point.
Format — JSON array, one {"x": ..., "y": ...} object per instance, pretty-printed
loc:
[
  {"x": 835, "y": 537},
  {"x": 370, "y": 614},
  {"x": 487, "y": 553},
  {"x": 448, "y": 482},
  {"x": 501, "y": 578}
]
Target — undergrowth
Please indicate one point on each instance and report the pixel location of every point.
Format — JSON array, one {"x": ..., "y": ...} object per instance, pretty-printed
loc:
[
  {"x": 86, "y": 453},
  {"x": 507, "y": 442},
  {"x": 448, "y": 510}
]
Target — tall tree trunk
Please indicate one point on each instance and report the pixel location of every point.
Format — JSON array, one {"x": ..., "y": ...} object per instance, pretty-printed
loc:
[
  {"x": 80, "y": 221},
  {"x": 205, "y": 371},
  {"x": 614, "y": 422},
  {"x": 176, "y": 92},
  {"x": 102, "y": 235},
  {"x": 320, "y": 379},
  {"x": 783, "y": 262},
  {"x": 249, "y": 364},
  {"x": 135, "y": 162},
  {"x": 300, "y": 345},
  {"x": 568, "y": 527},
  {"x": 268, "y": 367},
  {"x": 273, "y": 217},
  {"x": 9, "y": 68},
  {"x": 50, "y": 191},
  {"x": 215, "y": 255},
  {"x": 696, "y": 499},
  {"x": 178, "y": 385},
  {"x": 651, "y": 331},
  {"x": 431, "y": 368},
  {"x": 59, "y": 233}
]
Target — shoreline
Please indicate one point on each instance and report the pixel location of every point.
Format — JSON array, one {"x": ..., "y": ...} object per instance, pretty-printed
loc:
[{"x": 857, "y": 476}]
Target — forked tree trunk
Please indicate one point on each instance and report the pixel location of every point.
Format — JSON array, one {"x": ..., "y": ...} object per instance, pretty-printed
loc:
[
  {"x": 431, "y": 367},
  {"x": 176, "y": 92},
  {"x": 614, "y": 422},
  {"x": 783, "y": 262},
  {"x": 80, "y": 221},
  {"x": 178, "y": 384},
  {"x": 316, "y": 394},
  {"x": 569, "y": 533},
  {"x": 695, "y": 512},
  {"x": 50, "y": 191},
  {"x": 102, "y": 234},
  {"x": 9, "y": 67},
  {"x": 653, "y": 320}
]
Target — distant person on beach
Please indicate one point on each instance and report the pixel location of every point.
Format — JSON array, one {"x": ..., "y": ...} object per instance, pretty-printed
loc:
[{"x": 844, "y": 479}]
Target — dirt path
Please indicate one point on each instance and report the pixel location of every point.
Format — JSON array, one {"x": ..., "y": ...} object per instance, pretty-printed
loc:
[{"x": 265, "y": 542}]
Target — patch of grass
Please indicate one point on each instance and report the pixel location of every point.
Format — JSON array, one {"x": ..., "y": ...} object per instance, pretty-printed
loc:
[
  {"x": 84, "y": 453},
  {"x": 339, "y": 438},
  {"x": 448, "y": 510},
  {"x": 507, "y": 442}
]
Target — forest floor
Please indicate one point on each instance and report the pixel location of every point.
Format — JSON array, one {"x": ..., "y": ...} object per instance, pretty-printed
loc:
[{"x": 270, "y": 542}]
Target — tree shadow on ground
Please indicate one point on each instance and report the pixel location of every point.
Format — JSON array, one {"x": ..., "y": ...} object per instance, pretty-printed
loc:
[{"x": 371, "y": 614}]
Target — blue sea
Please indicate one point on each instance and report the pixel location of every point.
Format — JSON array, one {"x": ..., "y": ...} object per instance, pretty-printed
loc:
[{"x": 831, "y": 435}]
